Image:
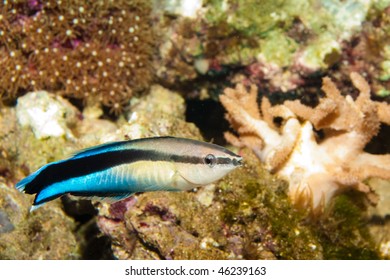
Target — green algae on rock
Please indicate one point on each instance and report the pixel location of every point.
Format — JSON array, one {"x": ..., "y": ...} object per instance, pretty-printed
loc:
[
  {"x": 277, "y": 44},
  {"x": 378, "y": 217},
  {"x": 257, "y": 205},
  {"x": 344, "y": 231},
  {"x": 324, "y": 22}
]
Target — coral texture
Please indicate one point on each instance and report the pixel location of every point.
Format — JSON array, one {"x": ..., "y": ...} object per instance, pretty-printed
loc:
[
  {"x": 278, "y": 45},
  {"x": 81, "y": 49},
  {"x": 368, "y": 52},
  {"x": 316, "y": 169}
]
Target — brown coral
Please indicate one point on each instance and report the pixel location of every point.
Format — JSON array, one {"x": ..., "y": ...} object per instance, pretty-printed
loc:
[
  {"x": 82, "y": 49},
  {"x": 316, "y": 170}
]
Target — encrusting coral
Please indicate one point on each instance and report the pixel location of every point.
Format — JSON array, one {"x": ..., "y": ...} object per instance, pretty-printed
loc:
[
  {"x": 316, "y": 169},
  {"x": 82, "y": 49}
]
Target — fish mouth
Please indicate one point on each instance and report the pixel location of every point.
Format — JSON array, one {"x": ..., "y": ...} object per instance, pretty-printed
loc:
[{"x": 237, "y": 161}]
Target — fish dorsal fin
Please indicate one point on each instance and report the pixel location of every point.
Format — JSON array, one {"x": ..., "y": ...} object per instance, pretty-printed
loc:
[
  {"x": 114, "y": 146},
  {"x": 106, "y": 147}
]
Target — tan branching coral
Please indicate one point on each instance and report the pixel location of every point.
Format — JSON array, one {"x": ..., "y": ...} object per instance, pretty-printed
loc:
[{"x": 315, "y": 169}]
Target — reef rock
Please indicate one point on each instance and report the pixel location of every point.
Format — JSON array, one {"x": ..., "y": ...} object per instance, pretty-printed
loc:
[
  {"x": 278, "y": 44},
  {"x": 48, "y": 115},
  {"x": 160, "y": 113},
  {"x": 45, "y": 234}
]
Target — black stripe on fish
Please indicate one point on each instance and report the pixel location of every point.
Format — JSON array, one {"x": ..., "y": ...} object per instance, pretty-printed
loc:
[
  {"x": 77, "y": 167},
  {"x": 125, "y": 145}
]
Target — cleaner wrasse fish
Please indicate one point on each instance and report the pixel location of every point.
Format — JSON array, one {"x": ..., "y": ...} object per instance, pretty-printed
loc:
[{"x": 114, "y": 171}]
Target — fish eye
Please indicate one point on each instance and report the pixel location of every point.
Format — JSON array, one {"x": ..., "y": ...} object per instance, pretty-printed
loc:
[{"x": 210, "y": 160}]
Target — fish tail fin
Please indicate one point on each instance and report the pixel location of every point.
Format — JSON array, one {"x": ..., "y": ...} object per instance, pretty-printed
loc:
[
  {"x": 29, "y": 184},
  {"x": 23, "y": 185},
  {"x": 43, "y": 193},
  {"x": 34, "y": 207}
]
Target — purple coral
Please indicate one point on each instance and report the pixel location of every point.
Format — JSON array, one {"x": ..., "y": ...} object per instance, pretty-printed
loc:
[{"x": 35, "y": 5}]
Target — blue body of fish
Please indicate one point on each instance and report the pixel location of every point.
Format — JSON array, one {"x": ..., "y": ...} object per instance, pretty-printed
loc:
[{"x": 116, "y": 170}]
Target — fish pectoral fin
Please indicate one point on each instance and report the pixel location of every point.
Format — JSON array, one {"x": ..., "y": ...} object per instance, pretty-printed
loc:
[{"x": 104, "y": 197}]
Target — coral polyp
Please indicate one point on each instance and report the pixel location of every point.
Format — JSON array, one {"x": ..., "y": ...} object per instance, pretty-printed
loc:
[{"x": 82, "y": 49}]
